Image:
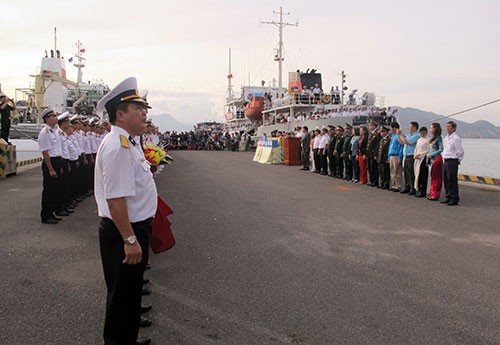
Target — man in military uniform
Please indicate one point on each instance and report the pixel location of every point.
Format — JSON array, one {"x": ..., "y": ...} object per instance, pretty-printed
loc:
[
  {"x": 51, "y": 167},
  {"x": 371, "y": 154},
  {"x": 331, "y": 149},
  {"x": 345, "y": 152},
  {"x": 126, "y": 199},
  {"x": 383, "y": 158},
  {"x": 337, "y": 152}
]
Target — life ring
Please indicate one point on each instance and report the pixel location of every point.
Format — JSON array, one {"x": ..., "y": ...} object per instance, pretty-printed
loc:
[
  {"x": 326, "y": 99},
  {"x": 250, "y": 96}
]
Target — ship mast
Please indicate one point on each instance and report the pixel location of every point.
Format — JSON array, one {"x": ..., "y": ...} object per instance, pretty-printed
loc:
[
  {"x": 279, "y": 55},
  {"x": 79, "y": 61},
  {"x": 229, "y": 92}
]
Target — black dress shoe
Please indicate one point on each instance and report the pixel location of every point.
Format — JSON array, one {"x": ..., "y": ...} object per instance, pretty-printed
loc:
[
  {"x": 145, "y": 308},
  {"x": 148, "y": 266},
  {"x": 62, "y": 214},
  {"x": 412, "y": 193},
  {"x": 145, "y": 322},
  {"x": 49, "y": 221},
  {"x": 68, "y": 210},
  {"x": 406, "y": 191},
  {"x": 145, "y": 281},
  {"x": 143, "y": 341},
  {"x": 56, "y": 218},
  {"x": 445, "y": 201},
  {"x": 453, "y": 203},
  {"x": 419, "y": 195},
  {"x": 432, "y": 199},
  {"x": 146, "y": 291},
  {"x": 395, "y": 190}
]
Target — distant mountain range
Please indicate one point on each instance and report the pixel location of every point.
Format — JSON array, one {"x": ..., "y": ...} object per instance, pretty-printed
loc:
[
  {"x": 167, "y": 122},
  {"x": 478, "y": 129}
]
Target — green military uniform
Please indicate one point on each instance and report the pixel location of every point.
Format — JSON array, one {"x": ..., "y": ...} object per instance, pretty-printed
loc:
[
  {"x": 345, "y": 154},
  {"x": 383, "y": 160},
  {"x": 371, "y": 154}
]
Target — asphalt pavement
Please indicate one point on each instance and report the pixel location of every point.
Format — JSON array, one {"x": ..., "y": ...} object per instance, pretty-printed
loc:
[{"x": 264, "y": 255}]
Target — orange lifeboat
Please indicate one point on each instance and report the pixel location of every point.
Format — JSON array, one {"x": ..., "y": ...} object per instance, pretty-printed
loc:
[{"x": 253, "y": 110}]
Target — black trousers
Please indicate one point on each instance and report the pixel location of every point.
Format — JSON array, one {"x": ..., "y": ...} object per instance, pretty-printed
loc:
[
  {"x": 409, "y": 173},
  {"x": 324, "y": 162},
  {"x": 73, "y": 181},
  {"x": 123, "y": 282},
  {"x": 51, "y": 195},
  {"x": 305, "y": 158},
  {"x": 384, "y": 174},
  {"x": 4, "y": 132},
  {"x": 348, "y": 166},
  {"x": 450, "y": 179},
  {"x": 317, "y": 160},
  {"x": 90, "y": 173},
  {"x": 423, "y": 176},
  {"x": 355, "y": 167},
  {"x": 373, "y": 170}
]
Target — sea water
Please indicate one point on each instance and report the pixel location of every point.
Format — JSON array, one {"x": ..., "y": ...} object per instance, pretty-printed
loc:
[{"x": 482, "y": 156}]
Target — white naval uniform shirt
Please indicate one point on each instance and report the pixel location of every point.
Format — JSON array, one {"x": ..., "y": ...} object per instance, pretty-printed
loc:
[
  {"x": 64, "y": 143},
  {"x": 325, "y": 138},
  {"x": 86, "y": 143},
  {"x": 124, "y": 172},
  {"x": 73, "y": 149},
  {"x": 453, "y": 147},
  {"x": 47, "y": 141}
]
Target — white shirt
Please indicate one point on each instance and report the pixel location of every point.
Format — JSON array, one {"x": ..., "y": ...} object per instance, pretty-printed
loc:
[
  {"x": 325, "y": 138},
  {"x": 453, "y": 147},
  {"x": 124, "y": 172},
  {"x": 316, "y": 142},
  {"x": 73, "y": 149},
  {"x": 47, "y": 141},
  {"x": 64, "y": 143}
]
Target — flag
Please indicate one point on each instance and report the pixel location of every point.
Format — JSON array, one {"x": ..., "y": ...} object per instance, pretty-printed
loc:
[
  {"x": 70, "y": 59},
  {"x": 82, "y": 50},
  {"x": 230, "y": 76}
]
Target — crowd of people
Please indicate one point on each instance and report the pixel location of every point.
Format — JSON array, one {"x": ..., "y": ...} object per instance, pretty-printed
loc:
[
  {"x": 386, "y": 116},
  {"x": 387, "y": 158},
  {"x": 204, "y": 139}
]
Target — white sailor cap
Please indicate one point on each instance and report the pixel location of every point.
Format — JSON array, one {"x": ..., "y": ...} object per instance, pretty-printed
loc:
[
  {"x": 92, "y": 121},
  {"x": 144, "y": 96},
  {"x": 47, "y": 111},
  {"x": 74, "y": 117},
  {"x": 63, "y": 116},
  {"x": 126, "y": 91}
]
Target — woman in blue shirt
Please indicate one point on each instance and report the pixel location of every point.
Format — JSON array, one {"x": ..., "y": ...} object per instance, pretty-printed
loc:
[{"x": 436, "y": 147}]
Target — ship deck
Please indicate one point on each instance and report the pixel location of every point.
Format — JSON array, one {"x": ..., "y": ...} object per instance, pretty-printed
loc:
[{"x": 264, "y": 255}]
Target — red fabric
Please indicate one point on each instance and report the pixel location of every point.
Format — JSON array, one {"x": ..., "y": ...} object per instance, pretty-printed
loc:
[
  {"x": 436, "y": 177},
  {"x": 162, "y": 238},
  {"x": 362, "y": 170}
]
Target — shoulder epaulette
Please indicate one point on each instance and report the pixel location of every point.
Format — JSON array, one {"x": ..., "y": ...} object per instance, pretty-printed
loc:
[
  {"x": 46, "y": 130},
  {"x": 124, "y": 141}
]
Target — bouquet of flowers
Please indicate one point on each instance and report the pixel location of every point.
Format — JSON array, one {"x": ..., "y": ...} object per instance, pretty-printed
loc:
[{"x": 156, "y": 155}]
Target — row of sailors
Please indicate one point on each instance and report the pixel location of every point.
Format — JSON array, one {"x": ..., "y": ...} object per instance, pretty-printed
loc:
[{"x": 68, "y": 146}]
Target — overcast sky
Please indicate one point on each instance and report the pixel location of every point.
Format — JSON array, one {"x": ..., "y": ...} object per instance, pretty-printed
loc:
[{"x": 441, "y": 55}]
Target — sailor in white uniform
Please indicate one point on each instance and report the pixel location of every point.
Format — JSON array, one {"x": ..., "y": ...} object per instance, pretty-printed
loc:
[{"x": 126, "y": 198}]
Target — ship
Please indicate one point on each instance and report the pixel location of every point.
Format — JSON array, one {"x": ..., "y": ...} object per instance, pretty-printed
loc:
[
  {"x": 50, "y": 87},
  {"x": 261, "y": 110}
]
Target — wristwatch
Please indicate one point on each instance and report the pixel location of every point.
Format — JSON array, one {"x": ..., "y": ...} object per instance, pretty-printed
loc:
[{"x": 130, "y": 240}]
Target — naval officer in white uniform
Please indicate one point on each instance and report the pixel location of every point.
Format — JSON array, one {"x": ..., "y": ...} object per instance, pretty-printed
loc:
[{"x": 127, "y": 200}]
